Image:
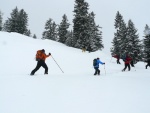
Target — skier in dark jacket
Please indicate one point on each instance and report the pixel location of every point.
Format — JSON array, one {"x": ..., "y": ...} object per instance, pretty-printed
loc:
[
  {"x": 96, "y": 67},
  {"x": 127, "y": 63},
  {"x": 148, "y": 63},
  {"x": 41, "y": 62}
]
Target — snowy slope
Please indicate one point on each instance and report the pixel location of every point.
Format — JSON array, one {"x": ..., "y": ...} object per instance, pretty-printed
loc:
[{"x": 74, "y": 91}]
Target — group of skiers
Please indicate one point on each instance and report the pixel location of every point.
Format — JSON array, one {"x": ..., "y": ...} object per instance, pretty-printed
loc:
[
  {"x": 41, "y": 57},
  {"x": 128, "y": 61}
]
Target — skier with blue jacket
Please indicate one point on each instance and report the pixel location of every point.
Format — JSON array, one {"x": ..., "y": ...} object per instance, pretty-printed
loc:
[{"x": 96, "y": 63}]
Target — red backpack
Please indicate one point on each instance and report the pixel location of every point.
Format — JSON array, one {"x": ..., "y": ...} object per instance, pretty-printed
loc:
[{"x": 38, "y": 55}]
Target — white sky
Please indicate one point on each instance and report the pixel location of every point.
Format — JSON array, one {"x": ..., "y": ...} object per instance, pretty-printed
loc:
[{"x": 39, "y": 11}]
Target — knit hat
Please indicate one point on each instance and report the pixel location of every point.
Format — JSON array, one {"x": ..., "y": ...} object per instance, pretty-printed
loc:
[{"x": 43, "y": 50}]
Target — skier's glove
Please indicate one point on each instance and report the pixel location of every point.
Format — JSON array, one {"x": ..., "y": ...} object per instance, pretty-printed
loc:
[
  {"x": 103, "y": 63},
  {"x": 49, "y": 53}
]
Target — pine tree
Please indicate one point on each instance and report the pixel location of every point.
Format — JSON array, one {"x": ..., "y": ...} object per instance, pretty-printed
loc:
[
  {"x": 18, "y": 22},
  {"x": 62, "y": 30},
  {"x": 13, "y": 21},
  {"x": 69, "y": 40},
  {"x": 115, "y": 43},
  {"x": 133, "y": 46},
  {"x": 146, "y": 43},
  {"x": 50, "y": 30},
  {"x": 120, "y": 39},
  {"x": 94, "y": 40},
  {"x": 28, "y": 33},
  {"x": 1, "y": 21},
  {"x": 22, "y": 22},
  {"x": 147, "y": 30},
  {"x": 123, "y": 38},
  {"x": 6, "y": 26},
  {"x": 80, "y": 28},
  {"x": 118, "y": 20},
  {"x": 34, "y": 36}
]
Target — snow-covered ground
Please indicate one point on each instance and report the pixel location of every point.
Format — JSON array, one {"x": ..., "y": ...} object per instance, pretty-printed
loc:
[{"x": 76, "y": 90}]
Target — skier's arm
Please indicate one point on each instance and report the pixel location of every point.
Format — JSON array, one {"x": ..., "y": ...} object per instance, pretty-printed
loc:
[
  {"x": 45, "y": 56},
  {"x": 100, "y": 62}
]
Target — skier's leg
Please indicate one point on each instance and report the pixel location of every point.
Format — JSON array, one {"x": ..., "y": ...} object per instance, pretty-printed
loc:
[
  {"x": 125, "y": 67},
  {"x": 119, "y": 61},
  {"x": 128, "y": 67},
  {"x": 45, "y": 67},
  {"x": 36, "y": 68},
  {"x": 147, "y": 65},
  {"x": 96, "y": 70},
  {"x": 132, "y": 63}
]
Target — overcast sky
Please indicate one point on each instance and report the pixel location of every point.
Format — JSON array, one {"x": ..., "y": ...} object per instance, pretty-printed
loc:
[{"x": 39, "y": 11}]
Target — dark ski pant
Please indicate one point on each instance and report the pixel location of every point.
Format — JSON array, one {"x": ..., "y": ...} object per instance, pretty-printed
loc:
[
  {"x": 126, "y": 65},
  {"x": 147, "y": 65},
  {"x": 118, "y": 62},
  {"x": 97, "y": 71},
  {"x": 39, "y": 64},
  {"x": 131, "y": 63}
]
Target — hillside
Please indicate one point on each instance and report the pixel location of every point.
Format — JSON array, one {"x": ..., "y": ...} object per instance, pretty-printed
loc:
[{"x": 76, "y": 90}]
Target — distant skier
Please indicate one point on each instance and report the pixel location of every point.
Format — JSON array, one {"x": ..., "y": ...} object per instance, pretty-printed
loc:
[
  {"x": 118, "y": 58},
  {"x": 40, "y": 58},
  {"x": 148, "y": 63},
  {"x": 127, "y": 62},
  {"x": 96, "y": 63}
]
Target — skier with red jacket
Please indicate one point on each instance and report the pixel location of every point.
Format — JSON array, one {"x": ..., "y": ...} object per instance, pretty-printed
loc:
[
  {"x": 117, "y": 57},
  {"x": 127, "y": 61}
]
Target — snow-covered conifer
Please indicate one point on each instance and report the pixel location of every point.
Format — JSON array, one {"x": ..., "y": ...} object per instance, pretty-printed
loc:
[
  {"x": 146, "y": 42},
  {"x": 63, "y": 29},
  {"x": 133, "y": 46},
  {"x": 1, "y": 21},
  {"x": 50, "y": 30}
]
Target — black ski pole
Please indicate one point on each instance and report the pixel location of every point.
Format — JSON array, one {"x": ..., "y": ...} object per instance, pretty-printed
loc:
[{"x": 57, "y": 64}]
